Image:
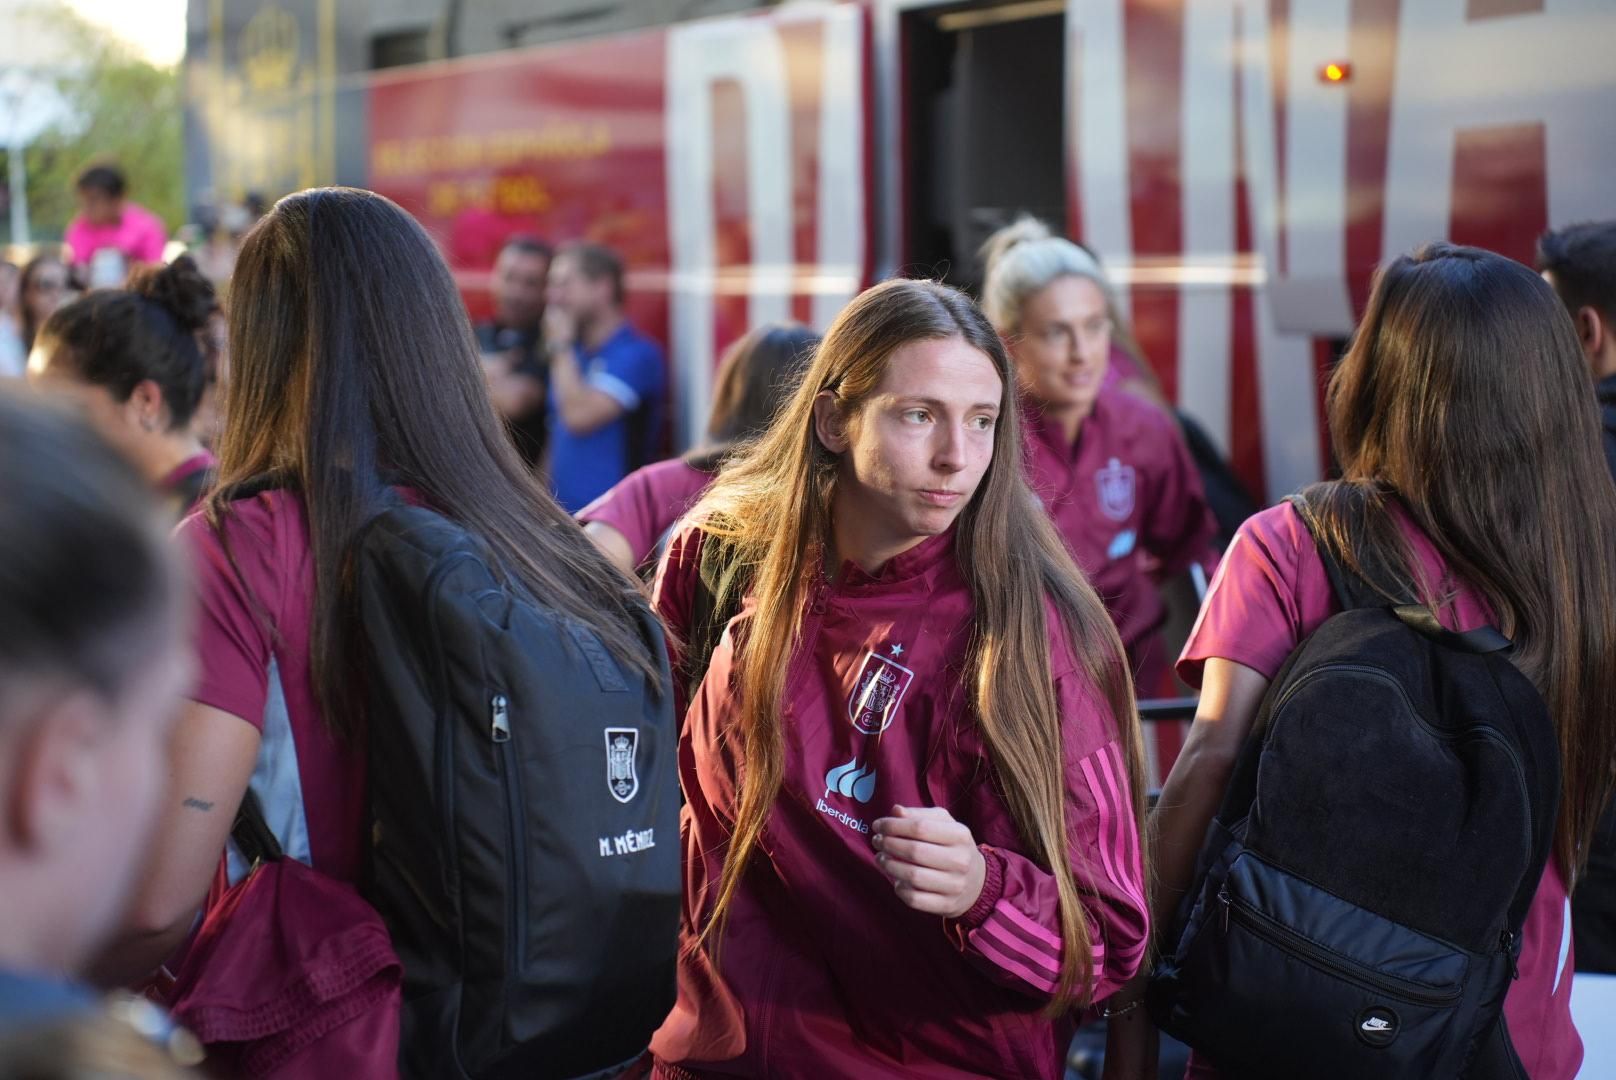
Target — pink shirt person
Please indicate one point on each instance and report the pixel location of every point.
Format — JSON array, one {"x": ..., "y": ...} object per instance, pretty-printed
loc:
[
  {"x": 138, "y": 234},
  {"x": 1269, "y": 594}
]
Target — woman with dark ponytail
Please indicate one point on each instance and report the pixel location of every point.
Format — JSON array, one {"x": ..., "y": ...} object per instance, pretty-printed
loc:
[{"x": 134, "y": 360}]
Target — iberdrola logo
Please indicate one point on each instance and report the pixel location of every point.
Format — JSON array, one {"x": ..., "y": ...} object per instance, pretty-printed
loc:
[{"x": 853, "y": 781}]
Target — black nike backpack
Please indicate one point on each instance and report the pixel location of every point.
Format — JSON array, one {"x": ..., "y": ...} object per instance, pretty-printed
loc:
[
  {"x": 525, "y": 800},
  {"x": 1362, "y": 889}
]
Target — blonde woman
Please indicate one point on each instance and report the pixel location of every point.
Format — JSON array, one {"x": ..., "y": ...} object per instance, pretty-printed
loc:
[{"x": 1111, "y": 468}]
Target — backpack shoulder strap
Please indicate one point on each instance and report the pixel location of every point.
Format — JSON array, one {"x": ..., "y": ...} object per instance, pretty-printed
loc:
[
  {"x": 252, "y": 833},
  {"x": 717, "y": 599},
  {"x": 1351, "y": 591},
  {"x": 274, "y": 480},
  {"x": 1481, "y": 641}
]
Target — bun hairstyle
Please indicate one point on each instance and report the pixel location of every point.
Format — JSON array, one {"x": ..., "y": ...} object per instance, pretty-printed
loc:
[
  {"x": 187, "y": 294},
  {"x": 119, "y": 338},
  {"x": 180, "y": 288},
  {"x": 1024, "y": 257}
]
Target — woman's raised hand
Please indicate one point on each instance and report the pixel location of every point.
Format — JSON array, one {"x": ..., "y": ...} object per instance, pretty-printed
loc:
[{"x": 932, "y": 859}]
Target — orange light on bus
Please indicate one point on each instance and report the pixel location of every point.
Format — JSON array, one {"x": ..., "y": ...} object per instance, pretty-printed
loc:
[{"x": 1335, "y": 72}]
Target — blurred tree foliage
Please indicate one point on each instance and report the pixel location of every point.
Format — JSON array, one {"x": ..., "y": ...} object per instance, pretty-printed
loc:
[{"x": 123, "y": 109}]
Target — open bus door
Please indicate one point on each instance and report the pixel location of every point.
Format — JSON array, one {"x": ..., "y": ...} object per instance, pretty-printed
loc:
[
  {"x": 982, "y": 128},
  {"x": 979, "y": 100}
]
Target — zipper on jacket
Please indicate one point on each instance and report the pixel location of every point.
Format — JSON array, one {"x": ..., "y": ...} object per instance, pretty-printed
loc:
[
  {"x": 1291, "y": 942},
  {"x": 516, "y": 835},
  {"x": 801, "y": 659},
  {"x": 765, "y": 1018}
]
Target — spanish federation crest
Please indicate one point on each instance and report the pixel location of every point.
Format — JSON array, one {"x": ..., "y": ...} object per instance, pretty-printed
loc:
[
  {"x": 877, "y": 692},
  {"x": 622, "y": 780},
  {"x": 1115, "y": 484}
]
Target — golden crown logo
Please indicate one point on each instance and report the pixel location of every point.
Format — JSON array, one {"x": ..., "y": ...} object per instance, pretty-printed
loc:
[{"x": 269, "y": 46}]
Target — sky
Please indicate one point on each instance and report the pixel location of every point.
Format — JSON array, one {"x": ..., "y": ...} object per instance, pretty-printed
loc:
[{"x": 155, "y": 28}]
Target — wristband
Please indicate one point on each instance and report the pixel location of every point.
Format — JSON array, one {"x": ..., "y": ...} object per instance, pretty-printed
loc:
[{"x": 1111, "y": 1012}]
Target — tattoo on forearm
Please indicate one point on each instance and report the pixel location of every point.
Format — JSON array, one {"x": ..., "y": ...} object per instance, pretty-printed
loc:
[{"x": 198, "y": 804}]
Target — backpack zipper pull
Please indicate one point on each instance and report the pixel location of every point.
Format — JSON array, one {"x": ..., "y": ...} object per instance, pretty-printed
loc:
[
  {"x": 1507, "y": 940},
  {"x": 1227, "y": 902},
  {"x": 500, "y": 725}
]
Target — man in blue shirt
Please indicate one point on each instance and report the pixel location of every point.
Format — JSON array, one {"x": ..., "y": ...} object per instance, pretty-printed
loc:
[{"x": 607, "y": 380}]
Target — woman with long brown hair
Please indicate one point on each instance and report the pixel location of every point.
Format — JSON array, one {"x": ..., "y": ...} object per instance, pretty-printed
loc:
[
  {"x": 912, "y": 765},
  {"x": 1473, "y": 483},
  {"x": 355, "y": 378}
]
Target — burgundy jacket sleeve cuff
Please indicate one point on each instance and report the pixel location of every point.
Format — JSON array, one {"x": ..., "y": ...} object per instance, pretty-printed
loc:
[{"x": 992, "y": 889}]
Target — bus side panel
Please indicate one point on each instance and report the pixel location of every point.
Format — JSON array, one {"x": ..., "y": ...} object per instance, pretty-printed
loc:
[
  {"x": 1257, "y": 195},
  {"x": 563, "y": 143}
]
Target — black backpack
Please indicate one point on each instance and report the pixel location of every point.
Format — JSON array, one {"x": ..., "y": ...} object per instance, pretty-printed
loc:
[
  {"x": 523, "y": 785},
  {"x": 1362, "y": 890}
]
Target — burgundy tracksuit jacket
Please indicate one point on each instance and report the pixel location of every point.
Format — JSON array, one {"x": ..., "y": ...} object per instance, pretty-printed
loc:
[{"x": 822, "y": 970}]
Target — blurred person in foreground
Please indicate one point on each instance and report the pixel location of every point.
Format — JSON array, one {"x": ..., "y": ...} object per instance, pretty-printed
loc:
[
  {"x": 93, "y": 666},
  {"x": 512, "y": 343},
  {"x": 131, "y": 1039},
  {"x": 758, "y": 372},
  {"x": 1580, "y": 263},
  {"x": 135, "y": 361},
  {"x": 607, "y": 380},
  {"x": 111, "y": 233}
]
